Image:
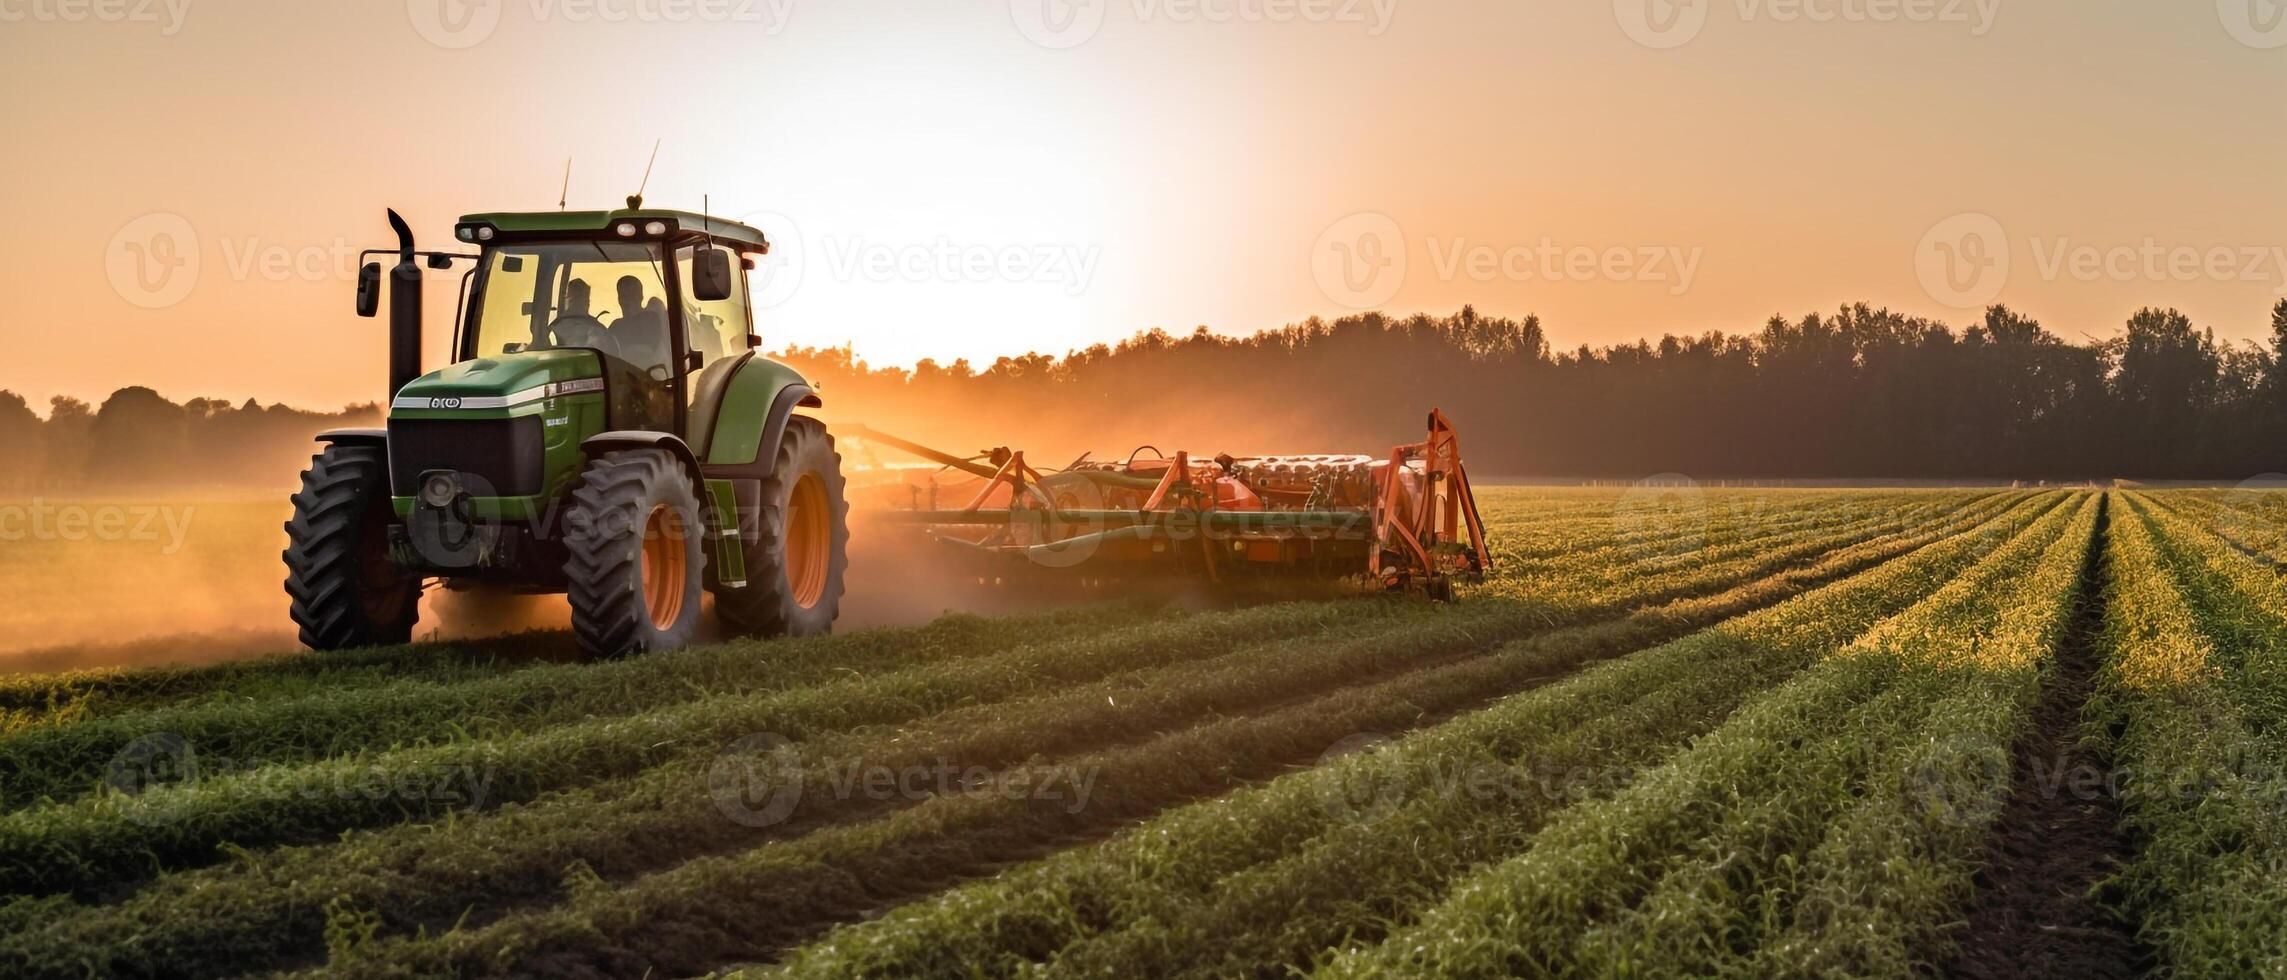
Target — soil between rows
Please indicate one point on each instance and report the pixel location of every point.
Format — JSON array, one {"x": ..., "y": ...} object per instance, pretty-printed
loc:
[{"x": 2038, "y": 912}]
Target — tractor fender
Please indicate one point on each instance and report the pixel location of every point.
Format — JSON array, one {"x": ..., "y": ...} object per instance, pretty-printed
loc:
[
  {"x": 377, "y": 438},
  {"x": 604, "y": 442},
  {"x": 750, "y": 419}
]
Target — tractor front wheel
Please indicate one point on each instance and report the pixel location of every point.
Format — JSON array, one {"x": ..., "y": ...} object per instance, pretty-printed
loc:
[
  {"x": 638, "y": 555},
  {"x": 795, "y": 564},
  {"x": 346, "y": 591}
]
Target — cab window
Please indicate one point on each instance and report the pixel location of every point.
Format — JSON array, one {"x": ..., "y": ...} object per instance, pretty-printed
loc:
[{"x": 717, "y": 328}]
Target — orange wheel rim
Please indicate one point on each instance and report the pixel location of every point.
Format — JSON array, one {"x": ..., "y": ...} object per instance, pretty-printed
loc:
[
  {"x": 809, "y": 540},
  {"x": 666, "y": 569}
]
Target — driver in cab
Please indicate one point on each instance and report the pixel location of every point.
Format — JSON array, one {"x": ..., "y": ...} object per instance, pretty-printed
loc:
[{"x": 641, "y": 329}]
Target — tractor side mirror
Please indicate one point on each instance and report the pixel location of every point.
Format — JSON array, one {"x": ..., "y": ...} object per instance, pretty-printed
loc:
[
  {"x": 369, "y": 289},
  {"x": 711, "y": 275}
]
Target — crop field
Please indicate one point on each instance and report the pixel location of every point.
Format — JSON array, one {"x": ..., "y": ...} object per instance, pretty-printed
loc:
[{"x": 1745, "y": 732}]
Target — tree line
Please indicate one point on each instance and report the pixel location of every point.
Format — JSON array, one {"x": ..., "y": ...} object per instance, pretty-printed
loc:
[
  {"x": 1861, "y": 393},
  {"x": 139, "y": 438}
]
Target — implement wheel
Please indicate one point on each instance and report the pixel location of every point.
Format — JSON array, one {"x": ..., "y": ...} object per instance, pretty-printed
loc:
[
  {"x": 638, "y": 554},
  {"x": 795, "y": 565},
  {"x": 345, "y": 590}
]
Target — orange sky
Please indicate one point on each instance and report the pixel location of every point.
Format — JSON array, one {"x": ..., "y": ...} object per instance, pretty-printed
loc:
[{"x": 963, "y": 178}]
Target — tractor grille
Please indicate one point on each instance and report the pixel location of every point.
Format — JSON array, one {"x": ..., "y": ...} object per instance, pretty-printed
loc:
[{"x": 505, "y": 453}]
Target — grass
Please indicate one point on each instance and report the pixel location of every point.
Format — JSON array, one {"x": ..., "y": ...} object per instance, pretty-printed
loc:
[{"x": 1759, "y": 732}]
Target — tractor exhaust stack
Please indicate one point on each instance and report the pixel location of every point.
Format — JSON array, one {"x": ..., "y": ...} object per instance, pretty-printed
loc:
[{"x": 404, "y": 310}]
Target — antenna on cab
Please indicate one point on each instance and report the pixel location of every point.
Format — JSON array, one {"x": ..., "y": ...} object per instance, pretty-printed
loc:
[
  {"x": 566, "y": 193},
  {"x": 635, "y": 200}
]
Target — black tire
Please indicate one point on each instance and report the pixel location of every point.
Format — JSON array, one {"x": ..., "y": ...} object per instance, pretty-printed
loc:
[
  {"x": 792, "y": 593},
  {"x": 638, "y": 554},
  {"x": 345, "y": 591}
]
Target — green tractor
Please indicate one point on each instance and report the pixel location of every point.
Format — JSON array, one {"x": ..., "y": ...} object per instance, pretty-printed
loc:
[{"x": 607, "y": 429}]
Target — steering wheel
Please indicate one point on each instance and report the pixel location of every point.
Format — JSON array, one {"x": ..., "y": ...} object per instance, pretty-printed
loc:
[{"x": 581, "y": 330}]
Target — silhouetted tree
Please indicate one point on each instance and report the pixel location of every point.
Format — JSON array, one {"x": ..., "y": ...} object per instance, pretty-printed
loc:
[{"x": 20, "y": 450}]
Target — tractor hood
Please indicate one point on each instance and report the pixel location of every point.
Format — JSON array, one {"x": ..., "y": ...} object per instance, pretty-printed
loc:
[{"x": 504, "y": 381}]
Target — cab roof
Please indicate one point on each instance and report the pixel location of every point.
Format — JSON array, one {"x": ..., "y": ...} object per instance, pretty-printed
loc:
[{"x": 559, "y": 222}]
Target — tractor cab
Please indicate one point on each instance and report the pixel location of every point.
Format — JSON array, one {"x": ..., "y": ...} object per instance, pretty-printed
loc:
[
  {"x": 593, "y": 351},
  {"x": 658, "y": 297}
]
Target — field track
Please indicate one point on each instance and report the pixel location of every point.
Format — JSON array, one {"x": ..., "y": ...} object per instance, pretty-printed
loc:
[{"x": 1768, "y": 733}]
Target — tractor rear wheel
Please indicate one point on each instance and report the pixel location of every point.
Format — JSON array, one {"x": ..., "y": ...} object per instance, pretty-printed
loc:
[
  {"x": 638, "y": 554},
  {"x": 795, "y": 564},
  {"x": 345, "y": 590}
]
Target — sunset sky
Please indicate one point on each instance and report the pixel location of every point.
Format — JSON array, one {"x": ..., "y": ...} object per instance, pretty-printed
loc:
[{"x": 188, "y": 181}]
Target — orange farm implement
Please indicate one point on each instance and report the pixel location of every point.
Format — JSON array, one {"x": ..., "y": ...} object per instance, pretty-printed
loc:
[{"x": 1405, "y": 520}]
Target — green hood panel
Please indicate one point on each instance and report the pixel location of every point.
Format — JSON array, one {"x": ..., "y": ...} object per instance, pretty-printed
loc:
[{"x": 504, "y": 375}]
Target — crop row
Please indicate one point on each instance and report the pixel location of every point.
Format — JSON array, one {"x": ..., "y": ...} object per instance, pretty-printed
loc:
[
  {"x": 1747, "y": 854},
  {"x": 668, "y": 812},
  {"x": 112, "y": 836},
  {"x": 60, "y": 762},
  {"x": 2191, "y": 654},
  {"x": 1264, "y": 879}
]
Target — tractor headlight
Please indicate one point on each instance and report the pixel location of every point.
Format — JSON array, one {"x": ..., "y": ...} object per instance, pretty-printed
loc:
[
  {"x": 466, "y": 233},
  {"x": 626, "y": 229},
  {"x": 655, "y": 228},
  {"x": 440, "y": 489},
  {"x": 484, "y": 234}
]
